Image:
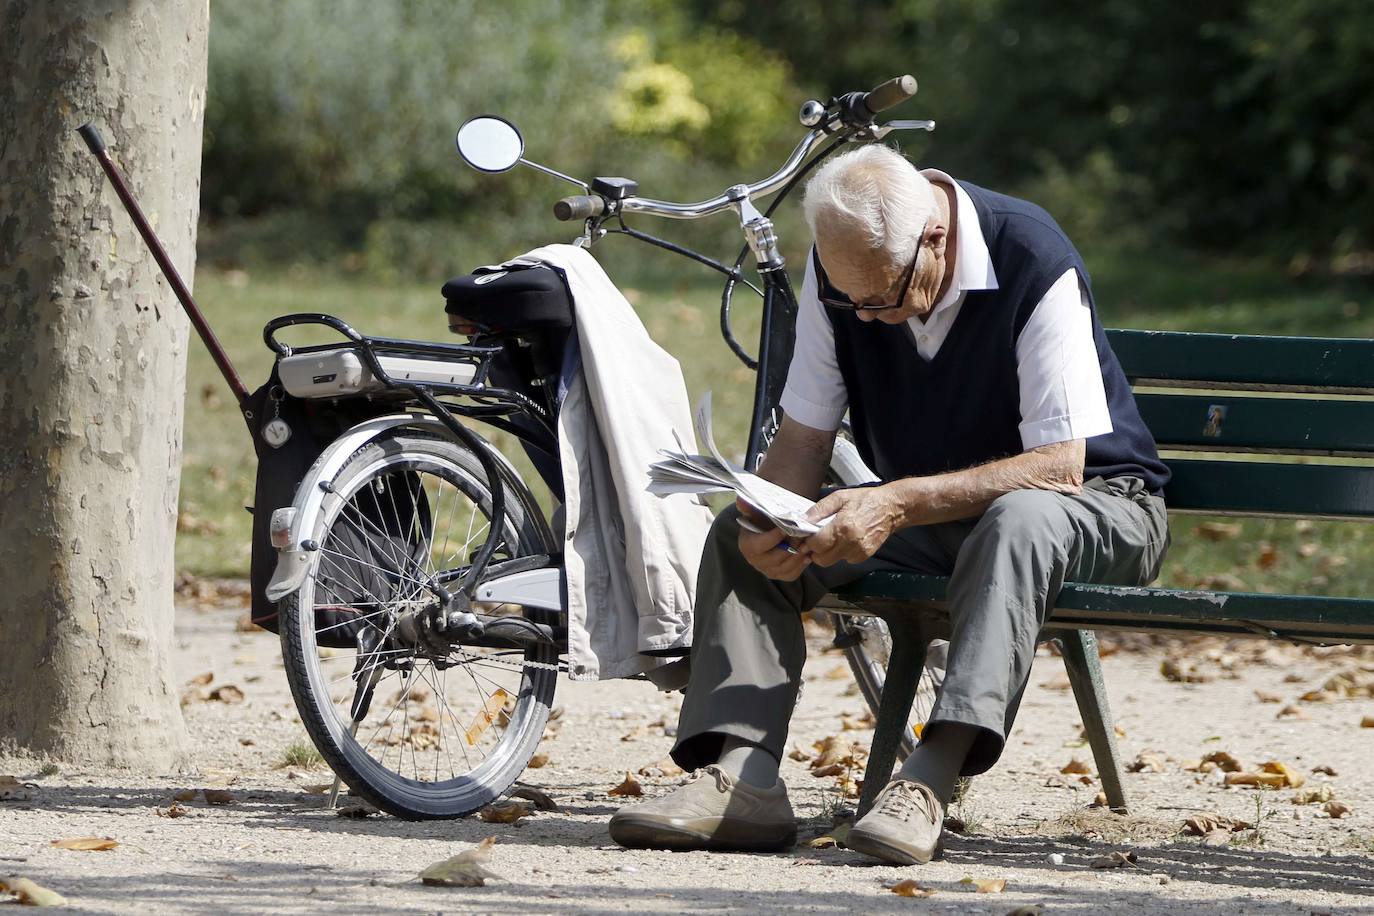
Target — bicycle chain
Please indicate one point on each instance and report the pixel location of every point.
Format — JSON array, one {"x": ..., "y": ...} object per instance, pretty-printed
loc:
[{"x": 546, "y": 666}]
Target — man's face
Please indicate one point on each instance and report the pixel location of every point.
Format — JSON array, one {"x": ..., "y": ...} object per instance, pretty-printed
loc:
[{"x": 871, "y": 279}]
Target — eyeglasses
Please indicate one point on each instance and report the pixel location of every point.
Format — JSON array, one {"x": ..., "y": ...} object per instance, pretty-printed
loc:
[{"x": 851, "y": 305}]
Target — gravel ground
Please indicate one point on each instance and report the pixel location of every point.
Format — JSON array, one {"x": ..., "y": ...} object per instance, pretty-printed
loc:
[{"x": 276, "y": 848}]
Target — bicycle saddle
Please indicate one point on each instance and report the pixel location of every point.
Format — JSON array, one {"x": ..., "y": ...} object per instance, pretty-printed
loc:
[{"x": 512, "y": 298}]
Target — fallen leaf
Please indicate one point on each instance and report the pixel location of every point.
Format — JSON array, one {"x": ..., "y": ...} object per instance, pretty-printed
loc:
[
  {"x": 538, "y": 760},
  {"x": 1315, "y": 696},
  {"x": 985, "y": 885},
  {"x": 1175, "y": 670},
  {"x": 1292, "y": 779},
  {"x": 838, "y": 673},
  {"x": 218, "y": 797},
  {"x": 202, "y": 680},
  {"x": 87, "y": 843},
  {"x": 1336, "y": 809},
  {"x": 1313, "y": 796},
  {"x": 1075, "y": 766},
  {"x": 911, "y": 888},
  {"x": 662, "y": 769},
  {"x": 175, "y": 809},
  {"x": 1146, "y": 763},
  {"x": 1367, "y": 722},
  {"x": 1292, "y": 712},
  {"x": 467, "y": 869},
  {"x": 12, "y": 789},
  {"x": 836, "y": 837},
  {"x": 1265, "y": 696},
  {"x": 1203, "y": 824},
  {"x": 860, "y": 723},
  {"x": 955, "y": 824},
  {"x": 629, "y": 788},
  {"x": 357, "y": 810},
  {"x": 1099, "y": 801},
  {"x": 542, "y": 800},
  {"x": 29, "y": 894},
  {"x": 834, "y": 769},
  {"x": 1115, "y": 860},
  {"x": 1218, "y": 531},
  {"x": 227, "y": 693},
  {"x": 504, "y": 812},
  {"x": 491, "y": 707},
  {"x": 1257, "y": 780},
  {"x": 1227, "y": 763},
  {"x": 186, "y": 795},
  {"x": 1326, "y": 770},
  {"x": 798, "y": 754},
  {"x": 318, "y": 788}
]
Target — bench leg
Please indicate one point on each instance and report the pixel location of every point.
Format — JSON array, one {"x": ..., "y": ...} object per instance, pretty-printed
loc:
[
  {"x": 904, "y": 668},
  {"x": 1085, "y": 676}
]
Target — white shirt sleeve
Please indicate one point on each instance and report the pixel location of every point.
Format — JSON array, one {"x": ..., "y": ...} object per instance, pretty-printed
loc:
[
  {"x": 1062, "y": 395},
  {"x": 815, "y": 395}
]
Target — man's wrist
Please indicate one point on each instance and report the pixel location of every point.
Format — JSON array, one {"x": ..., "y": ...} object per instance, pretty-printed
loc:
[{"x": 903, "y": 500}]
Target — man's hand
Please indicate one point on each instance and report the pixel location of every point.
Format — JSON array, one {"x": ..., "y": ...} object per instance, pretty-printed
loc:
[
  {"x": 769, "y": 552},
  {"x": 865, "y": 518}
]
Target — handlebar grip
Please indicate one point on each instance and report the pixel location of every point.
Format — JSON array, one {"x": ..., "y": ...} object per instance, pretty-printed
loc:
[
  {"x": 91, "y": 135},
  {"x": 893, "y": 92},
  {"x": 580, "y": 206}
]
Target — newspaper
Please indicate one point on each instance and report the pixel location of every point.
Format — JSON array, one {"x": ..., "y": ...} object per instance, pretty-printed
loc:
[{"x": 681, "y": 472}]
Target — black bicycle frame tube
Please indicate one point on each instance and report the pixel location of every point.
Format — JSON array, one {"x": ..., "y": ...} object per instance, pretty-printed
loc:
[{"x": 775, "y": 357}]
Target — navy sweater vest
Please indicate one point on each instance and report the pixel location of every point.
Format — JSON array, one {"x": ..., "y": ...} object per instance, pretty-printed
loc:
[{"x": 911, "y": 417}]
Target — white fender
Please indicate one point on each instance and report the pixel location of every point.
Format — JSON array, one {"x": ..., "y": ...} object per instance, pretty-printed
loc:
[{"x": 308, "y": 508}]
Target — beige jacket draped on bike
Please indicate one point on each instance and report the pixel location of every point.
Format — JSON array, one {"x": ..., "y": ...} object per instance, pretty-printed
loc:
[{"x": 630, "y": 557}]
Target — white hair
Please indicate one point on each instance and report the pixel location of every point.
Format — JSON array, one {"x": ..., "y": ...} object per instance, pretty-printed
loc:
[{"x": 873, "y": 196}]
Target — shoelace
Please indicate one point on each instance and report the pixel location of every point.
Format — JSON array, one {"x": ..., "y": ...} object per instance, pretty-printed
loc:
[
  {"x": 723, "y": 782},
  {"x": 903, "y": 801}
]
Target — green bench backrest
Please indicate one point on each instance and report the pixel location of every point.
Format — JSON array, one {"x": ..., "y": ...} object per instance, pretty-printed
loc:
[{"x": 1260, "y": 420}]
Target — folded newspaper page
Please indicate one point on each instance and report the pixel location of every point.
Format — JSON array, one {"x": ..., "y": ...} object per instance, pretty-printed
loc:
[{"x": 681, "y": 472}]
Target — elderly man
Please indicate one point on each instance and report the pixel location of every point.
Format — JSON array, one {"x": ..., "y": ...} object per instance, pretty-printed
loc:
[{"x": 957, "y": 327}]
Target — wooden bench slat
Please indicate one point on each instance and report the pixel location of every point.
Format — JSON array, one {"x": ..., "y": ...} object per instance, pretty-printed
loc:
[
  {"x": 1243, "y": 359},
  {"x": 1220, "y": 421},
  {"x": 1254, "y": 488},
  {"x": 1317, "y": 618}
]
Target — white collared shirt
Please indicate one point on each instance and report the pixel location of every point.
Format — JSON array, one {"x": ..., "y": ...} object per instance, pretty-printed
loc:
[{"x": 1060, "y": 378}]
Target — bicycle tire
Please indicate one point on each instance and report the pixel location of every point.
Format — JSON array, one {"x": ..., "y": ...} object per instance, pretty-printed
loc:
[{"x": 403, "y": 456}]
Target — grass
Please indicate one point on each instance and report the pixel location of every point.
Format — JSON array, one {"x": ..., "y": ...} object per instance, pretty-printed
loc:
[
  {"x": 301, "y": 755},
  {"x": 1159, "y": 291}
]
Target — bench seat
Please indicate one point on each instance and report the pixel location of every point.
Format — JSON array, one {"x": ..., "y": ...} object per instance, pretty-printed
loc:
[{"x": 1302, "y": 618}]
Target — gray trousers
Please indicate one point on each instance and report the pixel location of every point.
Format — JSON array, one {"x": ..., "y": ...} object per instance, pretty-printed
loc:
[{"x": 1005, "y": 567}]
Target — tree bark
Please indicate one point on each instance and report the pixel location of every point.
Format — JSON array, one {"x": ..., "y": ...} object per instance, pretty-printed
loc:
[{"x": 92, "y": 373}]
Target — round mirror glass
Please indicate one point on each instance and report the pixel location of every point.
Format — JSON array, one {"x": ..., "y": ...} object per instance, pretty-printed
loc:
[{"x": 489, "y": 143}]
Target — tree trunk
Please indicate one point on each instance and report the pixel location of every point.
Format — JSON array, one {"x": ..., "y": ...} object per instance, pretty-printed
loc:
[{"x": 92, "y": 373}]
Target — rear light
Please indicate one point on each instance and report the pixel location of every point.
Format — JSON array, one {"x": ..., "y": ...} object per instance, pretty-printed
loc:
[{"x": 282, "y": 520}]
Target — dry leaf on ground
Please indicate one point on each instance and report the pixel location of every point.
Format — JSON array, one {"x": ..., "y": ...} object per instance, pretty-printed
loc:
[
  {"x": 504, "y": 812},
  {"x": 174, "y": 810},
  {"x": 12, "y": 789},
  {"x": 202, "y": 680},
  {"x": 467, "y": 869},
  {"x": 318, "y": 788},
  {"x": 911, "y": 888},
  {"x": 186, "y": 795},
  {"x": 542, "y": 800},
  {"x": 1367, "y": 722},
  {"x": 357, "y": 810},
  {"x": 491, "y": 708},
  {"x": 1313, "y": 796},
  {"x": 218, "y": 797},
  {"x": 29, "y": 894},
  {"x": 1179, "y": 672},
  {"x": 1076, "y": 767},
  {"x": 1257, "y": 780},
  {"x": 798, "y": 754},
  {"x": 985, "y": 885},
  {"x": 662, "y": 769},
  {"x": 1336, "y": 809},
  {"x": 87, "y": 843},
  {"x": 859, "y": 723},
  {"x": 630, "y": 788},
  {"x": 227, "y": 693},
  {"x": 538, "y": 760},
  {"x": 1203, "y": 824},
  {"x": 835, "y": 837},
  {"x": 1292, "y": 712},
  {"x": 1326, "y": 770},
  {"x": 1225, "y": 762},
  {"x": 1291, "y": 778},
  {"x": 1116, "y": 860},
  {"x": 1099, "y": 801},
  {"x": 1265, "y": 696},
  {"x": 1146, "y": 763}
]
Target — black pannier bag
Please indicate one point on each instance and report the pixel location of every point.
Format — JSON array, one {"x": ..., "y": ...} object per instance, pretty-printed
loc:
[{"x": 356, "y": 570}]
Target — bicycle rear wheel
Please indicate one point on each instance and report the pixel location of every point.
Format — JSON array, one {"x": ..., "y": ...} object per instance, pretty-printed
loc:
[{"x": 418, "y": 732}]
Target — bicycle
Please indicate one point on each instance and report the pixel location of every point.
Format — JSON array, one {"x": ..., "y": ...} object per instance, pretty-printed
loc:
[{"x": 371, "y": 597}]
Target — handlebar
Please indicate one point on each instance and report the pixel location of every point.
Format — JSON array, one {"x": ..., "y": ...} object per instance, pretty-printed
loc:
[{"x": 854, "y": 111}]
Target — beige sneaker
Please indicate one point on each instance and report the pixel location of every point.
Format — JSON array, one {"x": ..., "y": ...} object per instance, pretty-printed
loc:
[
  {"x": 903, "y": 826},
  {"x": 713, "y": 811}
]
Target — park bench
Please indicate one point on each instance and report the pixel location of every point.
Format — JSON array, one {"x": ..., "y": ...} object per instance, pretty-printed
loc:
[{"x": 1250, "y": 426}]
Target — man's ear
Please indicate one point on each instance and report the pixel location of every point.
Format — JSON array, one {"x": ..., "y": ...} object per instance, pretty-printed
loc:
[{"x": 937, "y": 237}]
